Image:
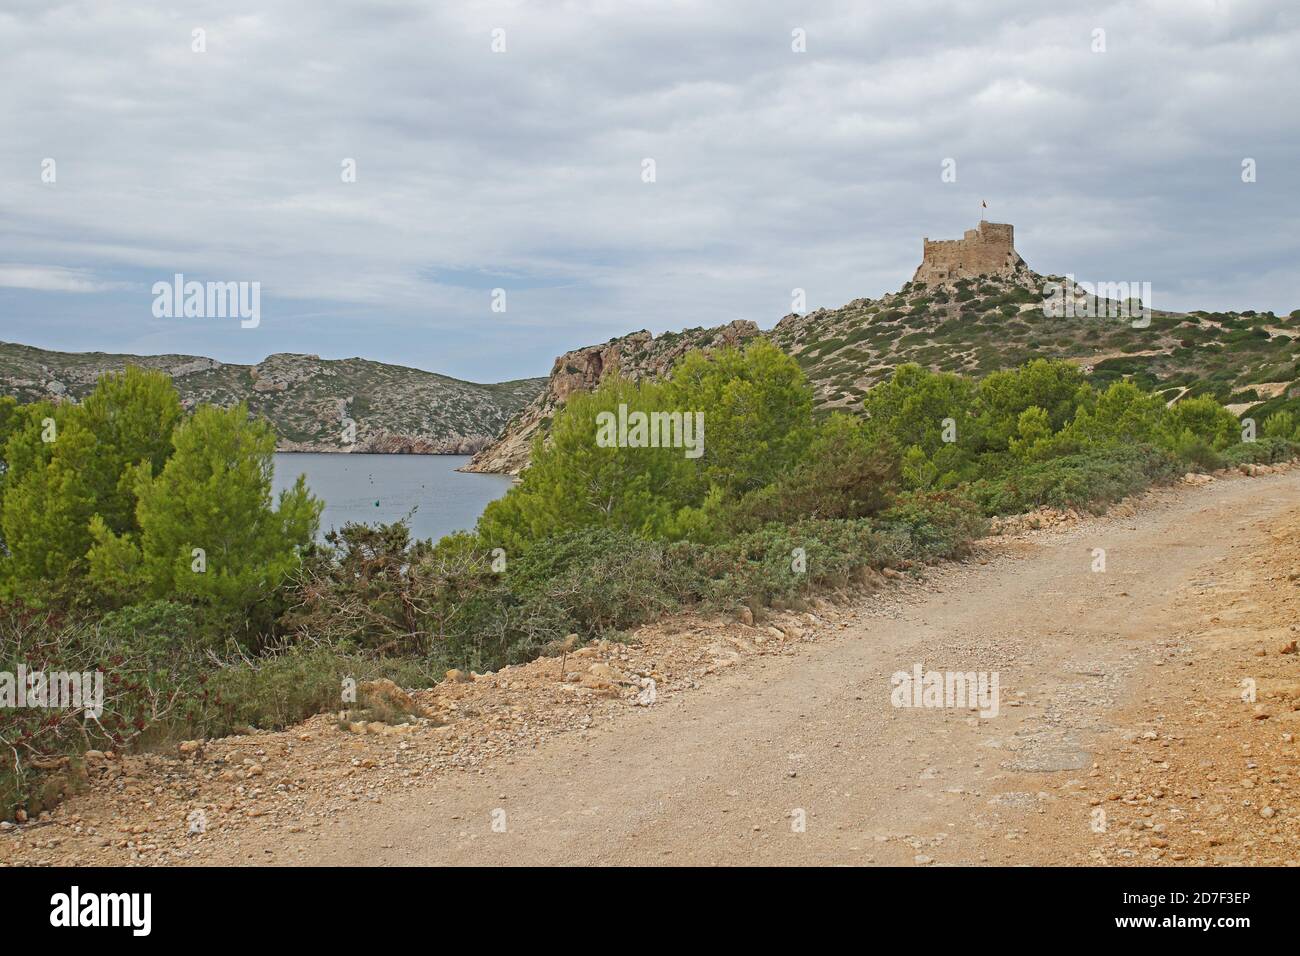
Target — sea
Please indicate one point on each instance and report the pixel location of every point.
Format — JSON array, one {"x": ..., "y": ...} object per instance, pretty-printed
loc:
[{"x": 383, "y": 488}]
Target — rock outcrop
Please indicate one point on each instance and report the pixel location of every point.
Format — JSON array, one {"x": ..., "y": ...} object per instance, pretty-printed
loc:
[{"x": 636, "y": 356}]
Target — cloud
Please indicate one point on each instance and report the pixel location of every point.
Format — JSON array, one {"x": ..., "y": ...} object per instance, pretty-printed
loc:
[
  {"x": 54, "y": 279},
  {"x": 775, "y": 169}
]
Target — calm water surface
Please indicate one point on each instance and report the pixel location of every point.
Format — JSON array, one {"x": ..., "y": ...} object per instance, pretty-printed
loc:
[{"x": 383, "y": 488}]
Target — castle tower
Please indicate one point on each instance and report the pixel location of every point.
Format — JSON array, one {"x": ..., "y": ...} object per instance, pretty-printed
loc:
[{"x": 987, "y": 250}]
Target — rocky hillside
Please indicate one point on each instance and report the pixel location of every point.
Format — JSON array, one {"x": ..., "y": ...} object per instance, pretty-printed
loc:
[
  {"x": 308, "y": 400},
  {"x": 636, "y": 356},
  {"x": 1246, "y": 360},
  {"x": 977, "y": 326}
]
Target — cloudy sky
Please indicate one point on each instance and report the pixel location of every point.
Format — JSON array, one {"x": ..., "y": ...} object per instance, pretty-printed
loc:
[{"x": 524, "y": 170}]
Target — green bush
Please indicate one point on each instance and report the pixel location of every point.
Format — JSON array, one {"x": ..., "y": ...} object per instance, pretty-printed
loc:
[
  {"x": 1090, "y": 480},
  {"x": 381, "y": 592},
  {"x": 40, "y": 747},
  {"x": 209, "y": 530},
  {"x": 594, "y": 581},
  {"x": 933, "y": 524},
  {"x": 845, "y": 474},
  {"x": 124, "y": 498},
  {"x": 166, "y": 637},
  {"x": 757, "y": 413},
  {"x": 290, "y": 684},
  {"x": 1264, "y": 451},
  {"x": 1282, "y": 425},
  {"x": 779, "y": 564}
]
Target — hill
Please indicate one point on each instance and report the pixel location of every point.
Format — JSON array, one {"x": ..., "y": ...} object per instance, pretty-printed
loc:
[
  {"x": 974, "y": 306},
  {"x": 1246, "y": 360},
  {"x": 309, "y": 400}
]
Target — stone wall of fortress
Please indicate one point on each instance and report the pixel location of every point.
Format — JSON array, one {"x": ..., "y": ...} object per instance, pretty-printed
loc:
[{"x": 987, "y": 250}]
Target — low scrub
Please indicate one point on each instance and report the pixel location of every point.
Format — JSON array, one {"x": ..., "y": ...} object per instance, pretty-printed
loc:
[
  {"x": 1265, "y": 451},
  {"x": 154, "y": 691},
  {"x": 1089, "y": 481},
  {"x": 936, "y": 524}
]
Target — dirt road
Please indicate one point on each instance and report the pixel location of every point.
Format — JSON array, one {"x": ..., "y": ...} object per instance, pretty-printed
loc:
[
  {"x": 714, "y": 776},
  {"x": 802, "y": 758}
]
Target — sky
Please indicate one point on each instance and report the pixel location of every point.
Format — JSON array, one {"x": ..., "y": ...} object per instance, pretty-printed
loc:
[{"x": 504, "y": 146}]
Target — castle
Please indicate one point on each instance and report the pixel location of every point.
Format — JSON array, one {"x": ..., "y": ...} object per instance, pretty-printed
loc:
[{"x": 988, "y": 250}]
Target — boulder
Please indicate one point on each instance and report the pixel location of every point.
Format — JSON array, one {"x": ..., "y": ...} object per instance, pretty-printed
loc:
[
  {"x": 603, "y": 672},
  {"x": 648, "y": 694},
  {"x": 384, "y": 694}
]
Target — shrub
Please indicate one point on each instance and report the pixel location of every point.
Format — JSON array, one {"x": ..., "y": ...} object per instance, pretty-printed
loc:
[
  {"x": 594, "y": 581},
  {"x": 284, "y": 686},
  {"x": 163, "y": 633},
  {"x": 845, "y": 474},
  {"x": 1122, "y": 413},
  {"x": 1282, "y": 425},
  {"x": 757, "y": 410},
  {"x": 933, "y": 524},
  {"x": 446, "y": 605},
  {"x": 778, "y": 563},
  {"x": 1090, "y": 480},
  {"x": 1058, "y": 388},
  {"x": 384, "y": 594},
  {"x": 910, "y": 408},
  {"x": 40, "y": 747},
  {"x": 1264, "y": 451}
]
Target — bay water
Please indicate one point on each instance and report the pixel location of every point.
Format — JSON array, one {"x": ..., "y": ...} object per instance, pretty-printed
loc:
[{"x": 383, "y": 488}]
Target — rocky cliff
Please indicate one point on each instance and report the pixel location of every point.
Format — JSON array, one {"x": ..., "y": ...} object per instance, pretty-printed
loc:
[
  {"x": 636, "y": 356},
  {"x": 314, "y": 404}
]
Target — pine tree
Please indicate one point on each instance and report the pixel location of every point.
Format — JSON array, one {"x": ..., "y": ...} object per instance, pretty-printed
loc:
[{"x": 209, "y": 529}]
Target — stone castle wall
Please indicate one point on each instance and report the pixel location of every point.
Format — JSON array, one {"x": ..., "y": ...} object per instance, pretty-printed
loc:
[{"x": 987, "y": 250}]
